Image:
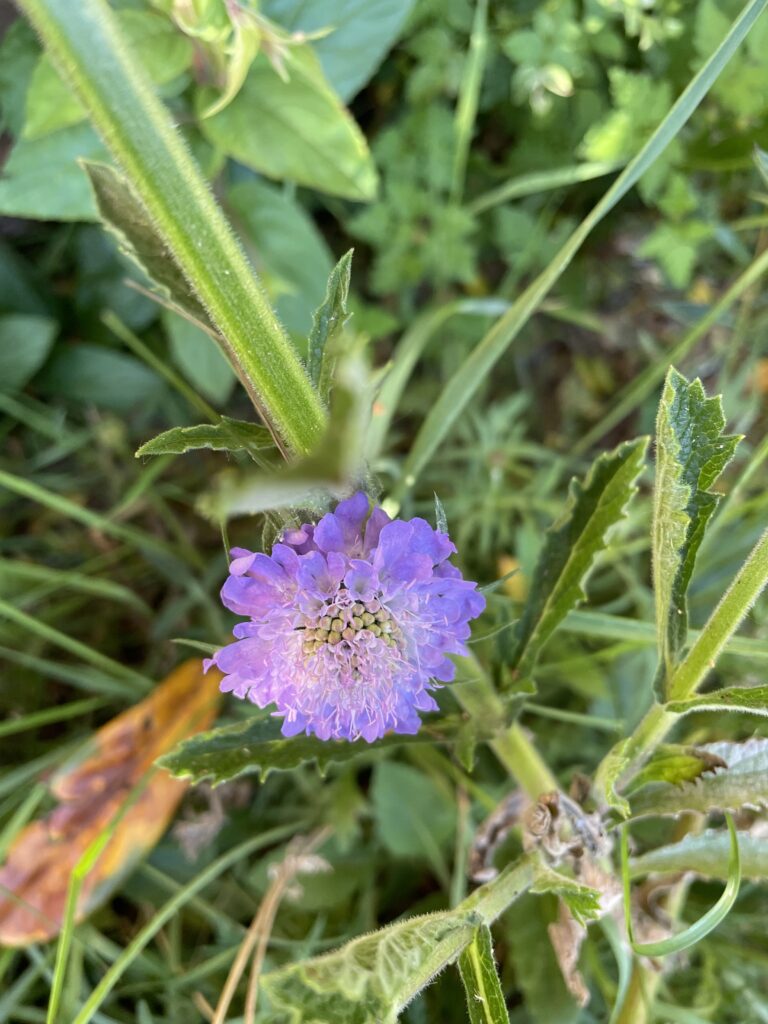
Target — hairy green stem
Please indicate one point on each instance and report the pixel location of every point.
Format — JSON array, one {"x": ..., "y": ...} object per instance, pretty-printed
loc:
[
  {"x": 511, "y": 744},
  {"x": 84, "y": 42},
  {"x": 701, "y": 658}
]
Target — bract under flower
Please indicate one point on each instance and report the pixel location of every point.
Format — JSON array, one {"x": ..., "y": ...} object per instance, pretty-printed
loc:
[{"x": 351, "y": 622}]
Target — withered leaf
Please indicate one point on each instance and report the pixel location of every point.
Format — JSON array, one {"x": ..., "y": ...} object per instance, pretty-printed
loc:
[{"x": 111, "y": 782}]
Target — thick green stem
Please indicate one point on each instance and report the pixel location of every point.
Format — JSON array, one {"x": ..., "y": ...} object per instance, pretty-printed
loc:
[
  {"x": 522, "y": 760},
  {"x": 84, "y": 42},
  {"x": 701, "y": 658},
  {"x": 510, "y": 744},
  {"x": 722, "y": 624}
]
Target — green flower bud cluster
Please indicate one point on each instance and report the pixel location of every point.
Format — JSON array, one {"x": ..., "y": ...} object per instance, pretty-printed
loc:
[{"x": 346, "y": 622}]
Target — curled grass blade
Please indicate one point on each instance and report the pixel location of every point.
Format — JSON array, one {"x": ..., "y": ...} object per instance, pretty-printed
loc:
[{"x": 701, "y": 928}]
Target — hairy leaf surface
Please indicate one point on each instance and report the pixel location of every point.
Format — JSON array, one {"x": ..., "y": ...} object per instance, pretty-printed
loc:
[
  {"x": 257, "y": 746},
  {"x": 125, "y": 215},
  {"x": 582, "y": 900},
  {"x": 691, "y": 453},
  {"x": 708, "y": 854},
  {"x": 485, "y": 999},
  {"x": 572, "y": 544},
  {"x": 743, "y": 783},
  {"x": 228, "y": 435}
]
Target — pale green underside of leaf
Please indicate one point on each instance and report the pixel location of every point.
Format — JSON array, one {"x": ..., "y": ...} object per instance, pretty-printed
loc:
[
  {"x": 372, "y": 978},
  {"x": 126, "y": 217},
  {"x": 327, "y": 323},
  {"x": 485, "y": 999},
  {"x": 707, "y": 854},
  {"x": 227, "y": 435},
  {"x": 691, "y": 453},
  {"x": 257, "y": 746},
  {"x": 751, "y": 700},
  {"x": 610, "y": 770},
  {"x": 744, "y": 783},
  {"x": 294, "y": 130},
  {"x": 572, "y": 544}
]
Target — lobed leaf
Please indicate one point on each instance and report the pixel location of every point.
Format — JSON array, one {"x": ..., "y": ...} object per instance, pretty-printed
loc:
[
  {"x": 691, "y": 453},
  {"x": 571, "y": 545},
  {"x": 485, "y": 999},
  {"x": 675, "y": 764},
  {"x": 228, "y": 435},
  {"x": 256, "y": 746},
  {"x": 743, "y": 782},
  {"x": 582, "y": 900}
]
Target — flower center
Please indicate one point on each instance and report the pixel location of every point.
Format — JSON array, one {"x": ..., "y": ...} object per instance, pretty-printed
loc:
[{"x": 342, "y": 623}]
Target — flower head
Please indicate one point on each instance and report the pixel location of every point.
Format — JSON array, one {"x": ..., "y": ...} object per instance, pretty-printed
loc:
[{"x": 351, "y": 622}]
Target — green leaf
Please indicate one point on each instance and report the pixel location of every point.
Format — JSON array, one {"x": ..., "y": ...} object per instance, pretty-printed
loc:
[
  {"x": 571, "y": 545},
  {"x": 25, "y": 342},
  {"x": 751, "y": 700},
  {"x": 691, "y": 453},
  {"x": 608, "y": 773},
  {"x": 675, "y": 764},
  {"x": 361, "y": 33},
  {"x": 708, "y": 854},
  {"x": 292, "y": 255},
  {"x": 42, "y": 180},
  {"x": 294, "y": 130},
  {"x": 706, "y": 924},
  {"x": 582, "y": 900},
  {"x": 125, "y": 215},
  {"x": 327, "y": 323},
  {"x": 419, "y": 825},
  {"x": 19, "y": 53},
  {"x": 485, "y": 999},
  {"x": 164, "y": 52},
  {"x": 99, "y": 376},
  {"x": 257, "y": 746},
  {"x": 372, "y": 978},
  {"x": 742, "y": 782},
  {"x": 227, "y": 435},
  {"x": 199, "y": 358}
]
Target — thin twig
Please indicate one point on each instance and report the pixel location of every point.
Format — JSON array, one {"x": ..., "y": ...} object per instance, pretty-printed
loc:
[{"x": 261, "y": 927}]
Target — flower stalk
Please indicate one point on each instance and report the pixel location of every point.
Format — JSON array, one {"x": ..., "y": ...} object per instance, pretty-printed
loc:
[{"x": 84, "y": 42}]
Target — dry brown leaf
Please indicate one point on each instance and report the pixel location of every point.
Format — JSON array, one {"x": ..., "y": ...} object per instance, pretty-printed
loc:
[{"x": 111, "y": 782}]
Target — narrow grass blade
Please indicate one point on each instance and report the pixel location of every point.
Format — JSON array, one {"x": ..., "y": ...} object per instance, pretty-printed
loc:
[
  {"x": 469, "y": 95},
  {"x": 542, "y": 181}
]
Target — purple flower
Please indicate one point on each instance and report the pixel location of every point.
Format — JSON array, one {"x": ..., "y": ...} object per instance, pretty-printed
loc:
[{"x": 350, "y": 623}]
